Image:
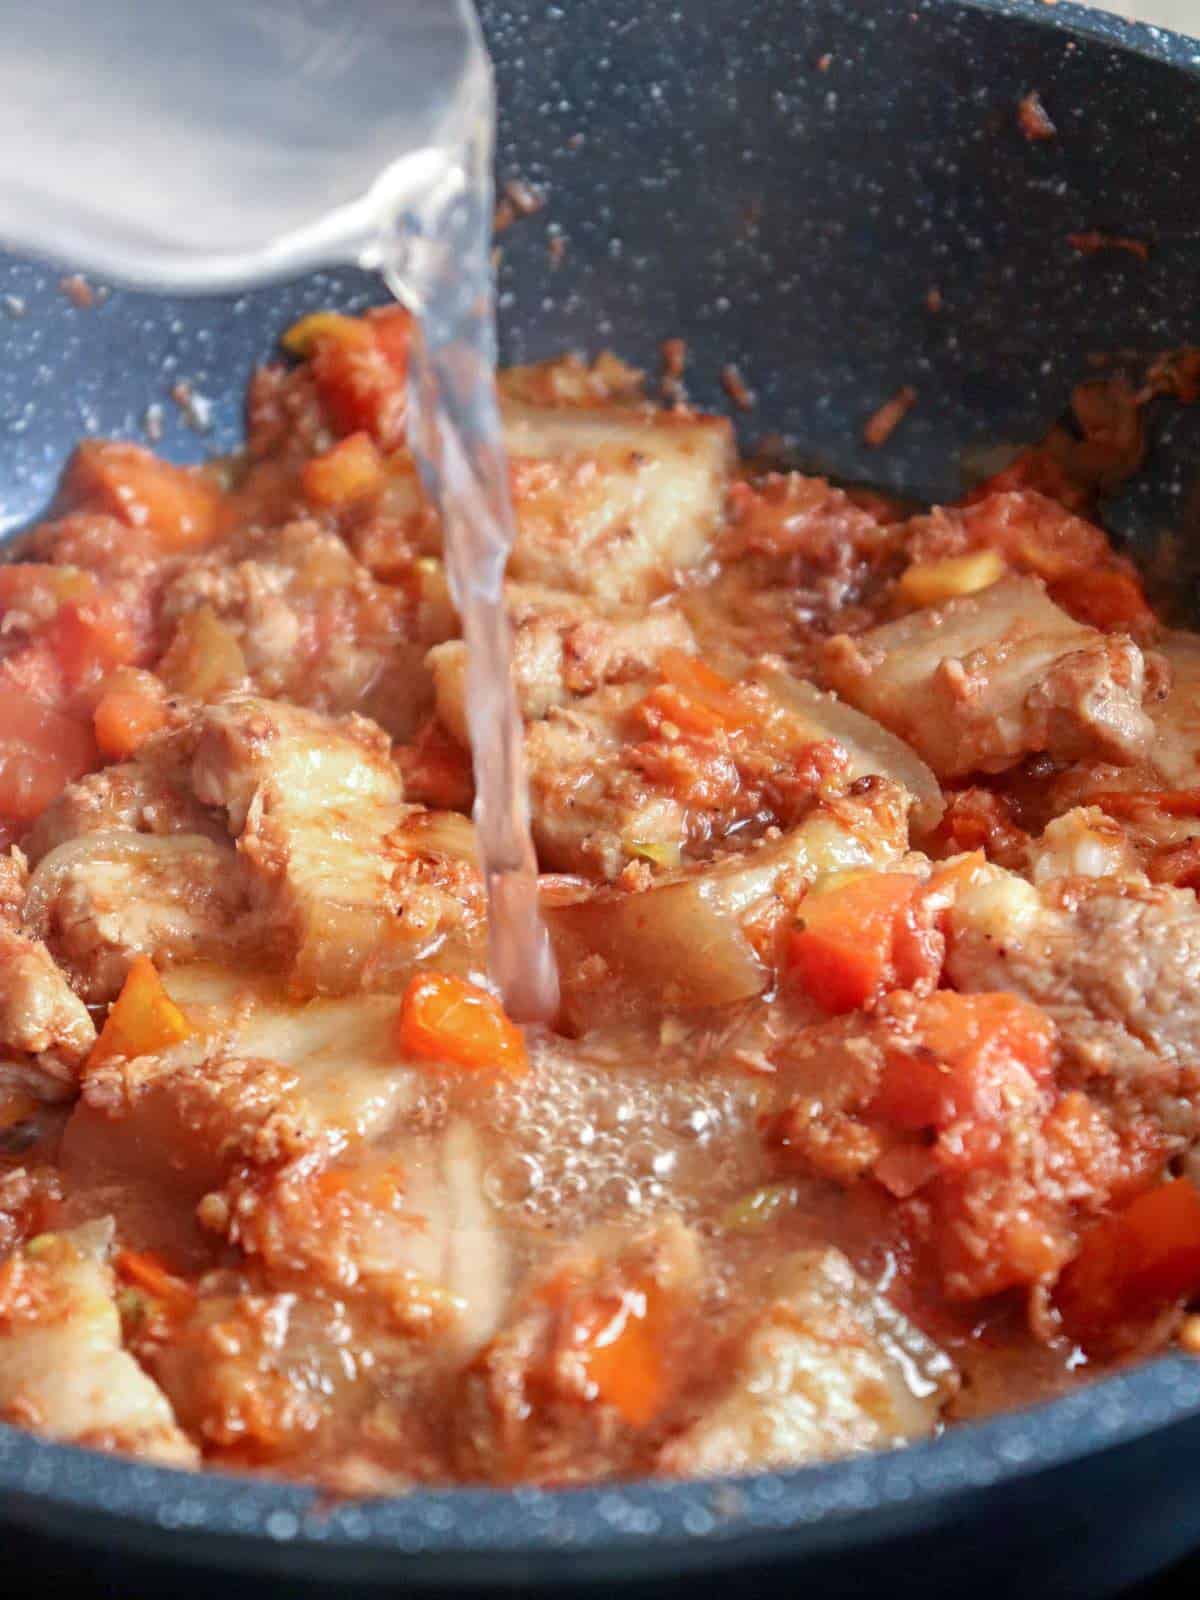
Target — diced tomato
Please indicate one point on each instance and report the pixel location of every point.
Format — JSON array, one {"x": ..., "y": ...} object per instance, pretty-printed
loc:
[
  {"x": 142, "y": 1020},
  {"x": 361, "y": 370},
  {"x": 443, "y": 1018},
  {"x": 1134, "y": 1264},
  {"x": 348, "y": 472},
  {"x": 975, "y": 1059},
  {"x": 41, "y": 751},
  {"x": 124, "y": 719},
  {"x": 1108, "y": 599},
  {"x": 34, "y": 670},
  {"x": 391, "y": 327},
  {"x": 89, "y": 640},
  {"x": 852, "y": 945},
  {"x": 181, "y": 506},
  {"x": 23, "y": 582}
]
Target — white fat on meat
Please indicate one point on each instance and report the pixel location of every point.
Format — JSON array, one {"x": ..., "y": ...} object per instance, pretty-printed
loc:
[
  {"x": 614, "y": 502},
  {"x": 63, "y": 1370},
  {"x": 563, "y": 649},
  {"x": 828, "y": 1368},
  {"x": 985, "y": 680}
]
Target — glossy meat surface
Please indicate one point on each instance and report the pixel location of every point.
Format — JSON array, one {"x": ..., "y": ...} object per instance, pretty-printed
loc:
[{"x": 870, "y": 846}]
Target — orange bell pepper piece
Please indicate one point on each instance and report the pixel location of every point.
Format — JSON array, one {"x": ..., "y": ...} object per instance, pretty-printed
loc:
[
  {"x": 142, "y": 1020},
  {"x": 844, "y": 953},
  {"x": 443, "y": 1018},
  {"x": 1135, "y": 1263}
]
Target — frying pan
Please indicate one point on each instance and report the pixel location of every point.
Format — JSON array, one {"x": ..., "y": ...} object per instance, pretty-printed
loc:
[{"x": 783, "y": 185}]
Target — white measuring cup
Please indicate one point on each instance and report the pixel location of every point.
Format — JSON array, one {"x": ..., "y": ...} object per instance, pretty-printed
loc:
[{"x": 207, "y": 144}]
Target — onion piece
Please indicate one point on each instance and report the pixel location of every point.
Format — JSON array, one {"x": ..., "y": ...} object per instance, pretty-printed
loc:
[
  {"x": 682, "y": 942},
  {"x": 872, "y": 748}
]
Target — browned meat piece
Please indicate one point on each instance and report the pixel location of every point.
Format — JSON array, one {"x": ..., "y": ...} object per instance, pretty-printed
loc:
[
  {"x": 1175, "y": 750},
  {"x": 979, "y": 683},
  {"x": 285, "y": 1129},
  {"x": 298, "y": 852},
  {"x": 798, "y": 555},
  {"x": 302, "y": 619},
  {"x": 1116, "y": 965},
  {"x": 149, "y": 795},
  {"x": 360, "y": 885},
  {"x": 562, "y": 649},
  {"x": 261, "y": 1082},
  {"x": 39, "y": 1013},
  {"x": 63, "y": 1371},
  {"x": 611, "y": 502},
  {"x": 828, "y": 1368},
  {"x": 536, "y": 1398},
  {"x": 594, "y": 809}
]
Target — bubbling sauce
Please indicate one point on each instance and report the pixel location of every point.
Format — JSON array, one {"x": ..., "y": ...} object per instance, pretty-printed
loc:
[{"x": 436, "y": 259}]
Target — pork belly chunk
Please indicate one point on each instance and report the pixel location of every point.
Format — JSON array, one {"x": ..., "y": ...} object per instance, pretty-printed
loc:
[
  {"x": 1175, "y": 749},
  {"x": 268, "y": 832},
  {"x": 563, "y": 648},
  {"x": 985, "y": 680},
  {"x": 363, "y": 885},
  {"x": 40, "y": 1014},
  {"x": 614, "y": 502},
  {"x": 63, "y": 1371},
  {"x": 1115, "y": 962},
  {"x": 294, "y": 1132},
  {"x": 289, "y": 613},
  {"x": 828, "y": 1368}
]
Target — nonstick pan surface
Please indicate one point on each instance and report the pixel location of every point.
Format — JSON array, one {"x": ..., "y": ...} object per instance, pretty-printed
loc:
[{"x": 783, "y": 185}]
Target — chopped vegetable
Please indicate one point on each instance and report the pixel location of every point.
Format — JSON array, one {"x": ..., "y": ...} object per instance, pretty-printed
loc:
[
  {"x": 703, "y": 699},
  {"x": 204, "y": 659},
  {"x": 759, "y": 1208},
  {"x": 302, "y": 338},
  {"x": 1106, "y": 599},
  {"x": 665, "y": 853},
  {"x": 124, "y": 719},
  {"x": 142, "y": 1020},
  {"x": 443, "y": 1018},
  {"x": 41, "y": 751},
  {"x": 348, "y": 472},
  {"x": 1134, "y": 1264},
  {"x": 89, "y": 640},
  {"x": 927, "y": 583},
  {"x": 1128, "y": 802},
  {"x": 361, "y": 369},
  {"x": 623, "y": 1352},
  {"x": 975, "y": 1058},
  {"x": 180, "y": 506},
  {"x": 851, "y": 944}
]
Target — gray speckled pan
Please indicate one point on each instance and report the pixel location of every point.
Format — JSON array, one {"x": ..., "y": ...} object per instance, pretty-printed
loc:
[{"x": 711, "y": 180}]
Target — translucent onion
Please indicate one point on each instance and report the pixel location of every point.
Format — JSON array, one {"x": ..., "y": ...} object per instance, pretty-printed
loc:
[{"x": 872, "y": 748}]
